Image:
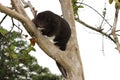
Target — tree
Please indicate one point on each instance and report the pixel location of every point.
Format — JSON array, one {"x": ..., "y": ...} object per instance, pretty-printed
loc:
[
  {"x": 71, "y": 55},
  {"x": 112, "y": 32},
  {"x": 15, "y": 61},
  {"x": 69, "y": 59}
]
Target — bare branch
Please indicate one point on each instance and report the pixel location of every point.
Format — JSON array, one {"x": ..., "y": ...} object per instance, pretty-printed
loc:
[
  {"x": 13, "y": 24},
  {"x": 43, "y": 42},
  {"x": 104, "y": 15},
  {"x": 75, "y": 72},
  {"x": 17, "y": 5},
  {"x": 96, "y": 12},
  {"x": 3, "y": 19},
  {"x": 28, "y": 4},
  {"x": 103, "y": 45},
  {"x": 114, "y": 28},
  {"x": 95, "y": 29},
  {"x": 66, "y": 58}
]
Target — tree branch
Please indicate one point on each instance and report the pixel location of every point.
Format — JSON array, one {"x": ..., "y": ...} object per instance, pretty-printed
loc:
[
  {"x": 95, "y": 29},
  {"x": 96, "y": 12},
  {"x": 76, "y": 69},
  {"x": 3, "y": 19},
  {"x": 28, "y": 4},
  {"x": 114, "y": 28},
  {"x": 42, "y": 42}
]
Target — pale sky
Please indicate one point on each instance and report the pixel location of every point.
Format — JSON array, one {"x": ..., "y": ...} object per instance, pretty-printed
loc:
[{"x": 96, "y": 65}]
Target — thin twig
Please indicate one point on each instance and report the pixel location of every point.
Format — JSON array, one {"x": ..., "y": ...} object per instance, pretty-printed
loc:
[
  {"x": 15, "y": 26},
  {"x": 104, "y": 15},
  {"x": 96, "y": 12},
  {"x": 103, "y": 45},
  {"x": 3, "y": 19},
  {"x": 28, "y": 4},
  {"x": 95, "y": 29}
]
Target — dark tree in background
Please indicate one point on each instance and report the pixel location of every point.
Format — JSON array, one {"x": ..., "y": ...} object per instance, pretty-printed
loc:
[{"x": 15, "y": 61}]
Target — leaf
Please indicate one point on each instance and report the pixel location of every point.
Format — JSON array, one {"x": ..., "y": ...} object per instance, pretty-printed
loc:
[
  {"x": 3, "y": 31},
  {"x": 14, "y": 56},
  {"x": 12, "y": 47},
  {"x": 32, "y": 41},
  {"x": 31, "y": 49},
  {"x": 110, "y": 1},
  {"x": 81, "y": 6},
  {"x": 23, "y": 51}
]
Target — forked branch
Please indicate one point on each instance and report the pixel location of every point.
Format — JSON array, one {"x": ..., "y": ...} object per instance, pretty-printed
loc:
[{"x": 114, "y": 28}]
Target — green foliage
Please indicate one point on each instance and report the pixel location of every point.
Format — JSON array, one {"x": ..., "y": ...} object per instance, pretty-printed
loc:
[
  {"x": 15, "y": 61},
  {"x": 110, "y": 1},
  {"x": 76, "y": 5}
]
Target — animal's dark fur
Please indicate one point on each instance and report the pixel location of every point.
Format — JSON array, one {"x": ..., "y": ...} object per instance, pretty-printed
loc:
[{"x": 54, "y": 25}]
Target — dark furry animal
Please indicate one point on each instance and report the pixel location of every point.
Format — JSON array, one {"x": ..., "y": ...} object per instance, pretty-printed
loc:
[{"x": 53, "y": 25}]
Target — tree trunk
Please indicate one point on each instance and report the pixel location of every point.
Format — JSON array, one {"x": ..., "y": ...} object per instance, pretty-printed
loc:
[
  {"x": 69, "y": 59},
  {"x": 75, "y": 72}
]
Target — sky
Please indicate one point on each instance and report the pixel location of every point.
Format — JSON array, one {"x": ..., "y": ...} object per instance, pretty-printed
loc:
[{"x": 98, "y": 65}]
